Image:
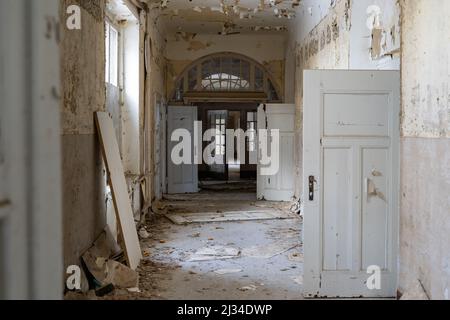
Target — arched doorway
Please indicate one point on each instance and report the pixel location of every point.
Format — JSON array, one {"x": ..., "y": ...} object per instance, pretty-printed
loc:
[
  {"x": 225, "y": 77},
  {"x": 227, "y": 89}
]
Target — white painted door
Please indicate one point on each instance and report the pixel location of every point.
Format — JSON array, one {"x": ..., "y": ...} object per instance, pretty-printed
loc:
[
  {"x": 182, "y": 178},
  {"x": 278, "y": 186},
  {"x": 351, "y": 183}
]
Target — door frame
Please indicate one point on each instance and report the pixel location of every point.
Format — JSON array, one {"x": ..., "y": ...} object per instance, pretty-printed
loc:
[
  {"x": 243, "y": 107},
  {"x": 31, "y": 235},
  {"x": 264, "y": 111}
]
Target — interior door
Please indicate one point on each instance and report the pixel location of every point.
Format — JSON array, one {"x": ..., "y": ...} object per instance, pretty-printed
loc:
[
  {"x": 217, "y": 119},
  {"x": 280, "y": 186},
  {"x": 351, "y": 183},
  {"x": 182, "y": 178}
]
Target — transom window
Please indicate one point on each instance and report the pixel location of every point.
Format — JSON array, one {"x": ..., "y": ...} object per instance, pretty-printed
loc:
[{"x": 225, "y": 73}]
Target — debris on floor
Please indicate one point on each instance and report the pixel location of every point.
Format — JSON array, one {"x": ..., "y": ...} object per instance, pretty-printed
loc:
[
  {"x": 227, "y": 271},
  {"x": 298, "y": 280},
  {"x": 297, "y": 207},
  {"x": 120, "y": 275},
  {"x": 143, "y": 233},
  {"x": 215, "y": 253},
  {"x": 295, "y": 257},
  {"x": 208, "y": 258},
  {"x": 218, "y": 216},
  {"x": 270, "y": 250},
  {"x": 249, "y": 288},
  {"x": 104, "y": 273}
]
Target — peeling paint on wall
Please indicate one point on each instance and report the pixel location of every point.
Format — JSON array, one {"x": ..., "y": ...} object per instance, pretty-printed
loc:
[
  {"x": 425, "y": 207},
  {"x": 426, "y": 76},
  {"x": 83, "y": 72}
]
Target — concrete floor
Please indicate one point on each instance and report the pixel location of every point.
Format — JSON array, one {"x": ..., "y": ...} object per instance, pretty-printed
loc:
[{"x": 167, "y": 274}]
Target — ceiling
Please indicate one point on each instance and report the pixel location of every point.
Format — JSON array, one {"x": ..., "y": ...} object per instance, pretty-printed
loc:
[{"x": 224, "y": 16}]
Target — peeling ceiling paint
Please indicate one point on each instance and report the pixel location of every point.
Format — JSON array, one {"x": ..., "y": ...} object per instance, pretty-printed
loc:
[
  {"x": 225, "y": 16},
  {"x": 117, "y": 10}
]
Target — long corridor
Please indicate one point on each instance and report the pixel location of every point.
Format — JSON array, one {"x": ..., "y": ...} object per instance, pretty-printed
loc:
[{"x": 259, "y": 259}]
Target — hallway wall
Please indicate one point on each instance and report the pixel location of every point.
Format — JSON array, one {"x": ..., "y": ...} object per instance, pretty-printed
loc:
[
  {"x": 83, "y": 93},
  {"x": 425, "y": 201},
  {"x": 155, "y": 92},
  {"x": 339, "y": 37}
]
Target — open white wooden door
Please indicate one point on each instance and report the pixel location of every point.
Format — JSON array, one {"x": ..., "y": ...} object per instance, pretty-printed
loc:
[
  {"x": 182, "y": 178},
  {"x": 278, "y": 187},
  {"x": 351, "y": 183}
]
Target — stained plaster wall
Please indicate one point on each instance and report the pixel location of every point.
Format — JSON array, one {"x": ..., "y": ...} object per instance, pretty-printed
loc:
[
  {"x": 336, "y": 35},
  {"x": 425, "y": 151},
  {"x": 83, "y": 93},
  {"x": 85, "y": 196},
  {"x": 155, "y": 90},
  {"x": 267, "y": 49}
]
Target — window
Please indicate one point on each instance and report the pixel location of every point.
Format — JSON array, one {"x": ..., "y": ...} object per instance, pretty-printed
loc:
[
  {"x": 112, "y": 55},
  {"x": 251, "y": 129},
  {"x": 217, "y": 121},
  {"x": 225, "y": 72},
  {"x": 220, "y": 136}
]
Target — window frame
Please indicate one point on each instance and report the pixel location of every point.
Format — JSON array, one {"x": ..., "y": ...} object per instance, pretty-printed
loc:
[
  {"x": 111, "y": 27},
  {"x": 210, "y": 75}
]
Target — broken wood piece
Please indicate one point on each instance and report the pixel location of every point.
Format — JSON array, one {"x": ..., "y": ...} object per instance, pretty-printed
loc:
[
  {"x": 120, "y": 275},
  {"x": 227, "y": 271},
  {"x": 215, "y": 253},
  {"x": 122, "y": 204},
  {"x": 296, "y": 257},
  {"x": 230, "y": 216},
  {"x": 270, "y": 250}
]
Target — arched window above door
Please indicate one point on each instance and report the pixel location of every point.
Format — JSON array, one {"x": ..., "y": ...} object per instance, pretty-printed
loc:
[{"x": 225, "y": 73}]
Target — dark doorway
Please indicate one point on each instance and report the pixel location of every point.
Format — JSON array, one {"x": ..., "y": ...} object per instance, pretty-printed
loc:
[{"x": 225, "y": 116}]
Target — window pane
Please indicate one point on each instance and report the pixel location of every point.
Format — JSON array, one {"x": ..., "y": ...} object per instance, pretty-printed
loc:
[
  {"x": 192, "y": 78},
  {"x": 273, "y": 96},
  {"x": 107, "y": 52},
  {"x": 259, "y": 79},
  {"x": 113, "y": 56}
]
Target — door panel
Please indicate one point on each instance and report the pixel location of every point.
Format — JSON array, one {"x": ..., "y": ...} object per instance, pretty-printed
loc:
[
  {"x": 356, "y": 115},
  {"x": 279, "y": 187},
  {"x": 337, "y": 209},
  {"x": 181, "y": 178},
  {"x": 375, "y": 207},
  {"x": 351, "y": 182}
]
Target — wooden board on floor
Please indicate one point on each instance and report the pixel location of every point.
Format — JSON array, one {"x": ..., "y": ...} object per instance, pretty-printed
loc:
[
  {"x": 122, "y": 204},
  {"x": 230, "y": 216}
]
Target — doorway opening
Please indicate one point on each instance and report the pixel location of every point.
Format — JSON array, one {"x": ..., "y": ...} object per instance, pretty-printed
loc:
[{"x": 231, "y": 173}]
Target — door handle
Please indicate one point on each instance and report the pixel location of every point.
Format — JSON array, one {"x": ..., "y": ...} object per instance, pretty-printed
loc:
[{"x": 312, "y": 180}]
